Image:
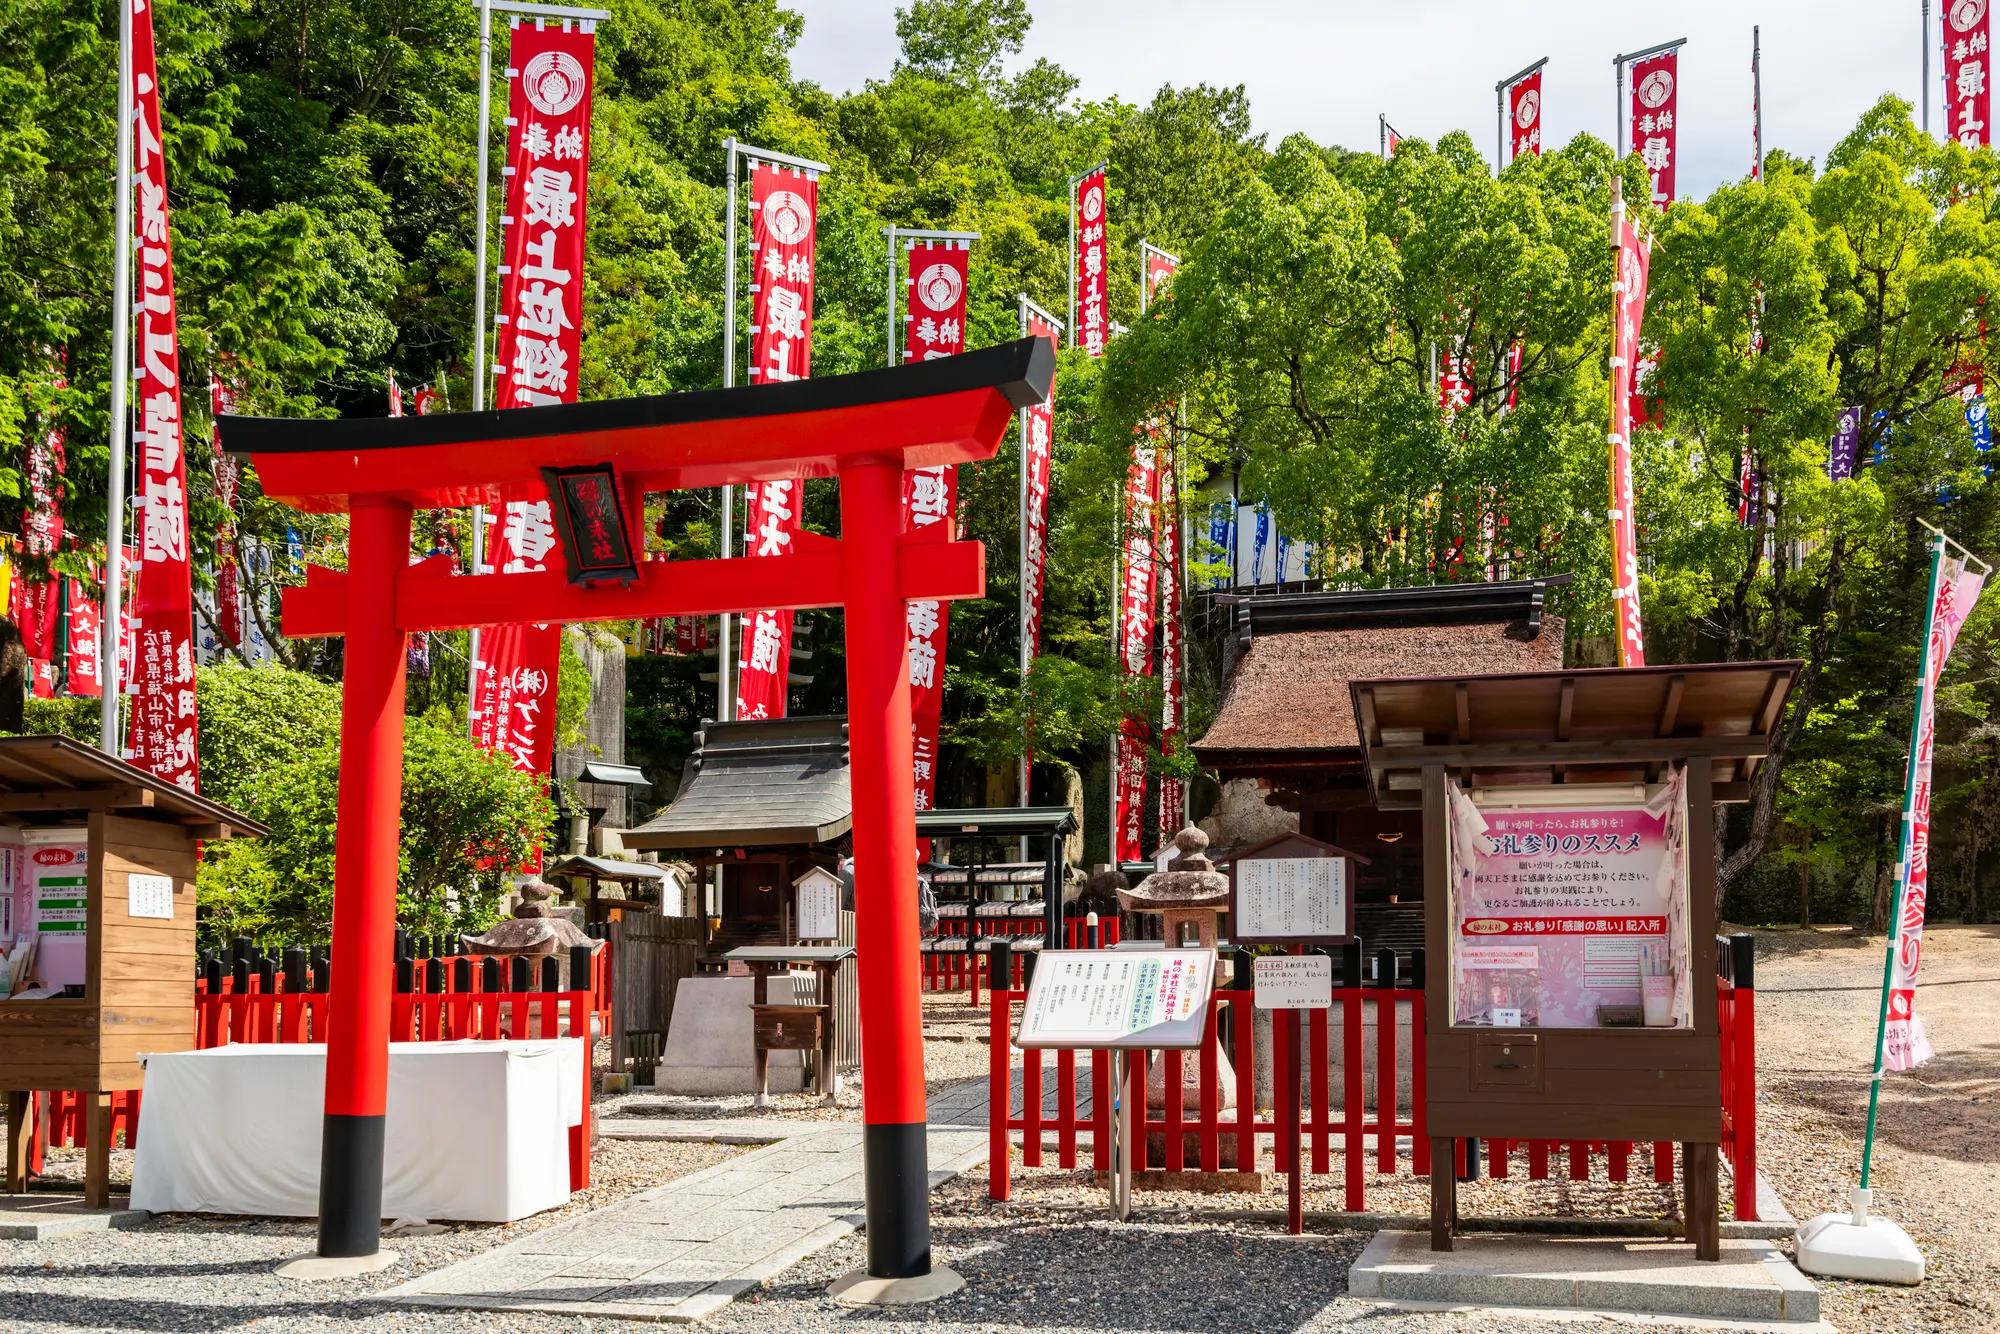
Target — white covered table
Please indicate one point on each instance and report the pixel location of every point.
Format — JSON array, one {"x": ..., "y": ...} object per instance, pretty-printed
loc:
[{"x": 477, "y": 1131}]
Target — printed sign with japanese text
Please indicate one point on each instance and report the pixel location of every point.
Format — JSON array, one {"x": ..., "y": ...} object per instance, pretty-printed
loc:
[{"x": 1118, "y": 998}]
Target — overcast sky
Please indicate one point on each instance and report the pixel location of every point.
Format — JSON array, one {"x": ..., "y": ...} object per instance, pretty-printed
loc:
[{"x": 1329, "y": 68}]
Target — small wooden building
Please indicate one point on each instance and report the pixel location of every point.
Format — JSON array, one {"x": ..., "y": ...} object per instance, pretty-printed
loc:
[
  {"x": 759, "y": 803},
  {"x": 124, "y": 843},
  {"x": 1568, "y": 823}
]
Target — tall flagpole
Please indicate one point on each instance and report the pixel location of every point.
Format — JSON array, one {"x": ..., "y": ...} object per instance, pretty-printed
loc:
[
  {"x": 890, "y": 232},
  {"x": 481, "y": 372},
  {"x": 1924, "y": 45},
  {"x": 725, "y": 657},
  {"x": 1021, "y": 620},
  {"x": 110, "y": 671},
  {"x": 1757, "y": 96}
]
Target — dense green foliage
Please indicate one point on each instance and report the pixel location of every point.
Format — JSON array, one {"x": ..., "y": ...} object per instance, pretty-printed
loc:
[
  {"x": 322, "y": 178},
  {"x": 270, "y": 748}
]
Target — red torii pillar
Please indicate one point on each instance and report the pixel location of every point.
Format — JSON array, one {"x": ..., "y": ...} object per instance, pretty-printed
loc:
[{"x": 865, "y": 429}]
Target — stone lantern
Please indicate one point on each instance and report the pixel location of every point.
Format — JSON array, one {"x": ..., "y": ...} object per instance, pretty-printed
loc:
[{"x": 1190, "y": 895}]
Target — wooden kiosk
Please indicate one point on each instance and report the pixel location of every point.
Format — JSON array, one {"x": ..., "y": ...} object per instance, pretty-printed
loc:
[
  {"x": 1569, "y": 900},
  {"x": 125, "y": 843}
]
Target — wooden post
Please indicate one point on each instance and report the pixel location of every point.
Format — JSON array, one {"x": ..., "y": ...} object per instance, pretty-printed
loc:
[
  {"x": 1444, "y": 1193},
  {"x": 20, "y": 1125},
  {"x": 97, "y": 1151},
  {"x": 1701, "y": 1194}
]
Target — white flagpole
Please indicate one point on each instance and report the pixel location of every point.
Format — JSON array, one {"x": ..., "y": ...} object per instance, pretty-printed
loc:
[
  {"x": 1757, "y": 94},
  {"x": 481, "y": 370},
  {"x": 1021, "y": 619},
  {"x": 725, "y": 691},
  {"x": 1924, "y": 45},
  {"x": 890, "y": 232},
  {"x": 110, "y": 672}
]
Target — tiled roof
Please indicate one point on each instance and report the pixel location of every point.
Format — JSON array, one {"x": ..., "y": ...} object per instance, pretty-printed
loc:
[{"x": 754, "y": 784}]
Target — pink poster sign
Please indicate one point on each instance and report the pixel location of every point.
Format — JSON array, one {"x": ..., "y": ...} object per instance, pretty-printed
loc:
[{"x": 1559, "y": 913}]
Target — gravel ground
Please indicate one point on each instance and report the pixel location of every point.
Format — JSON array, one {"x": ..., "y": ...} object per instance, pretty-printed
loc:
[
  {"x": 1937, "y": 1151},
  {"x": 196, "y": 1272}
]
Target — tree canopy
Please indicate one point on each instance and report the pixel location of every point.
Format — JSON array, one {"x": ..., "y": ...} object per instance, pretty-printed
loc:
[{"x": 322, "y": 176}]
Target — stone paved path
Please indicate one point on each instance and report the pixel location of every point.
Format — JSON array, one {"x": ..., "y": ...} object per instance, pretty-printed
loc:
[{"x": 688, "y": 1248}]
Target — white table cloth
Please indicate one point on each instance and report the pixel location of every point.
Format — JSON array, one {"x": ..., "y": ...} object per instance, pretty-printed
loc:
[{"x": 477, "y": 1131}]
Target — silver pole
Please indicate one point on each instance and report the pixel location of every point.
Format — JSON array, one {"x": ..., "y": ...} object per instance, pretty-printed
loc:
[
  {"x": 1757, "y": 93},
  {"x": 725, "y": 657},
  {"x": 481, "y": 372},
  {"x": 890, "y": 232},
  {"x": 1499, "y": 128},
  {"x": 1021, "y": 620},
  {"x": 1925, "y": 46},
  {"x": 1618, "y": 115},
  {"x": 121, "y": 370},
  {"x": 1070, "y": 313}
]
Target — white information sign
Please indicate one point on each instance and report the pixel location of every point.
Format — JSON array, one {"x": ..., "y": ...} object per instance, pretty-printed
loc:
[
  {"x": 819, "y": 907},
  {"x": 1118, "y": 998},
  {"x": 149, "y": 896},
  {"x": 1291, "y": 898},
  {"x": 1298, "y": 982}
]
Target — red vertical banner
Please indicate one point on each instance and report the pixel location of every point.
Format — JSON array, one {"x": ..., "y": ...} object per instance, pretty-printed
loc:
[
  {"x": 771, "y": 521},
  {"x": 86, "y": 623},
  {"x": 548, "y": 176},
  {"x": 35, "y": 602},
  {"x": 784, "y": 227},
  {"x": 784, "y": 205},
  {"x": 1524, "y": 114},
  {"x": 935, "y": 321},
  {"x": 1629, "y": 314},
  {"x": 514, "y": 703},
  {"x": 1173, "y": 647},
  {"x": 162, "y": 738},
  {"x": 1967, "y": 81},
  {"x": 1091, "y": 319},
  {"x": 930, "y": 508},
  {"x": 1454, "y": 381},
  {"x": 1036, "y": 431},
  {"x": 1135, "y": 643},
  {"x": 1655, "y": 93},
  {"x": 935, "y": 325},
  {"x": 537, "y": 349},
  {"x": 228, "y": 576}
]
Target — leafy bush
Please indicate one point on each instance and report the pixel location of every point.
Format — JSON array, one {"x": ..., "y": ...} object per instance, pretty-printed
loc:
[{"x": 270, "y": 740}]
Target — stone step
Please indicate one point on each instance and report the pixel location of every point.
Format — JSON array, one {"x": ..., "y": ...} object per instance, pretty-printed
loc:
[
  {"x": 40, "y": 1215},
  {"x": 1753, "y": 1281}
]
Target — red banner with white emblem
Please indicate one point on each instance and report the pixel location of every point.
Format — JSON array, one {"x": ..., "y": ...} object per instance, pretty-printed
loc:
[
  {"x": 86, "y": 626},
  {"x": 936, "y": 317},
  {"x": 161, "y": 681},
  {"x": 1173, "y": 647},
  {"x": 784, "y": 204},
  {"x": 1629, "y": 309},
  {"x": 1524, "y": 116},
  {"x": 1655, "y": 93},
  {"x": 551, "y": 66},
  {"x": 1135, "y": 642},
  {"x": 548, "y": 176},
  {"x": 1091, "y": 318},
  {"x": 1967, "y": 72}
]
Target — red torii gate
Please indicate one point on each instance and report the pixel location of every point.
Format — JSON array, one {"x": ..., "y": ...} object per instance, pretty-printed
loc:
[{"x": 865, "y": 429}]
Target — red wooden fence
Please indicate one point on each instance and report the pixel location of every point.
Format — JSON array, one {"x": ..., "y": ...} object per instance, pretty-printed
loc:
[
  {"x": 955, "y": 969},
  {"x": 1322, "y": 1124}
]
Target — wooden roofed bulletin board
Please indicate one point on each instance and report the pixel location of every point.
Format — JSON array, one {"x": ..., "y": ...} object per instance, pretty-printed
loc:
[
  {"x": 1569, "y": 899},
  {"x": 99, "y": 864}
]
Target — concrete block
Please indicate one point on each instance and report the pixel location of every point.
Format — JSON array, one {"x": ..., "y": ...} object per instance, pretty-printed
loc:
[
  {"x": 1752, "y": 1281},
  {"x": 712, "y": 1046}
]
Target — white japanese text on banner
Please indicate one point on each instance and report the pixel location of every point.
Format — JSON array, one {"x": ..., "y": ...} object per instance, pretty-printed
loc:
[
  {"x": 1654, "y": 95},
  {"x": 1092, "y": 319}
]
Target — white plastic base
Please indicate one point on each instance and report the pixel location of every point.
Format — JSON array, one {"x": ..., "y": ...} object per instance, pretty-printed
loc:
[{"x": 1858, "y": 1246}]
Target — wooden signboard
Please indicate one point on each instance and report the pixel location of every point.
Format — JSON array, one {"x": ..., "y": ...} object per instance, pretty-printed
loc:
[{"x": 1118, "y": 999}]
